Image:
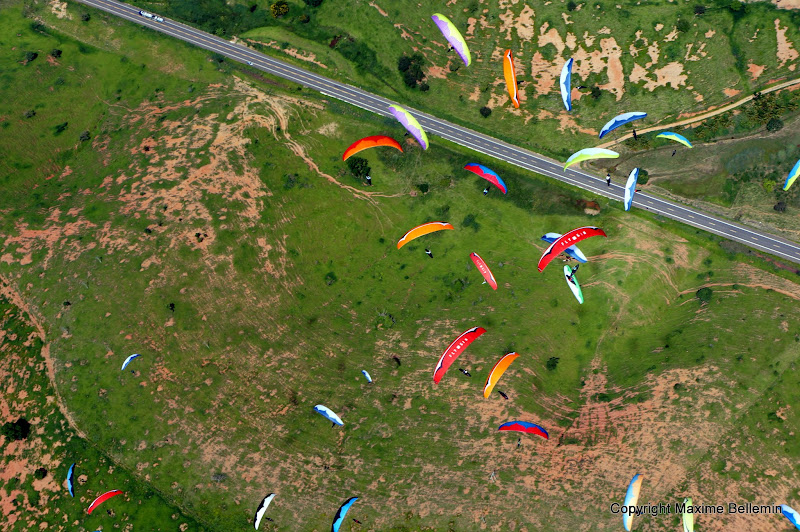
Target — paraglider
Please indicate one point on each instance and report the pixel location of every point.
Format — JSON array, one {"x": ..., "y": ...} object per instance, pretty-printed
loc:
[
  {"x": 370, "y": 142},
  {"x": 511, "y": 77},
  {"x": 411, "y": 124},
  {"x": 790, "y": 514},
  {"x": 590, "y": 153},
  {"x": 688, "y": 517},
  {"x": 366, "y": 375},
  {"x": 71, "y": 480},
  {"x": 453, "y": 37},
  {"x": 566, "y": 84},
  {"x": 262, "y": 509},
  {"x": 631, "y": 498},
  {"x": 489, "y": 175},
  {"x": 630, "y": 188},
  {"x": 620, "y": 120},
  {"x": 503, "y": 395},
  {"x": 128, "y": 360},
  {"x": 497, "y": 371},
  {"x": 564, "y": 241},
  {"x": 454, "y": 350},
  {"x": 674, "y": 136},
  {"x": 101, "y": 499},
  {"x": 424, "y": 229},
  {"x": 793, "y": 173},
  {"x": 571, "y": 251},
  {"x": 569, "y": 275},
  {"x": 328, "y": 414},
  {"x": 484, "y": 269},
  {"x": 339, "y": 517},
  {"x": 524, "y": 426}
]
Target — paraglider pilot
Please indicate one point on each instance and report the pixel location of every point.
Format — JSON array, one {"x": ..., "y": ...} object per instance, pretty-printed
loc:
[
  {"x": 608, "y": 179},
  {"x": 572, "y": 273},
  {"x": 369, "y": 180},
  {"x": 485, "y": 191},
  {"x": 673, "y": 152},
  {"x": 428, "y": 251},
  {"x": 465, "y": 372}
]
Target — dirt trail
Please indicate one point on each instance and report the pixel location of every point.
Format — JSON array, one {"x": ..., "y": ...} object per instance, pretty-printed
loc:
[{"x": 701, "y": 117}]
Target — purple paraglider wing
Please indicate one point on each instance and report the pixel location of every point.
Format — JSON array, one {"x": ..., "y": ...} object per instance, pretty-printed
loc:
[
  {"x": 453, "y": 36},
  {"x": 411, "y": 124}
]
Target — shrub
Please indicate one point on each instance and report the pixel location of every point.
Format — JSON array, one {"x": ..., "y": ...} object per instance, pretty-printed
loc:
[
  {"x": 485, "y": 112},
  {"x": 644, "y": 177},
  {"x": 30, "y": 113},
  {"x": 359, "y": 167},
  {"x": 780, "y": 206},
  {"x": 699, "y": 10},
  {"x": 424, "y": 87},
  {"x": 86, "y": 17},
  {"x": 55, "y": 53},
  {"x": 313, "y": 3},
  {"x": 704, "y": 294},
  {"x": 330, "y": 278},
  {"x": 17, "y": 430},
  {"x": 279, "y": 8},
  {"x": 571, "y": 5},
  {"x": 84, "y": 136},
  {"x": 40, "y": 473},
  {"x": 774, "y": 124},
  {"x": 683, "y": 25},
  {"x": 30, "y": 56},
  {"x": 552, "y": 363},
  {"x": 596, "y": 92}
]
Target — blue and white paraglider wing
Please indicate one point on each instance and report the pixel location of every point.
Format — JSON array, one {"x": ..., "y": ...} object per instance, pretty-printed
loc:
[
  {"x": 366, "y": 374},
  {"x": 572, "y": 251},
  {"x": 620, "y": 120},
  {"x": 71, "y": 480},
  {"x": 128, "y": 360},
  {"x": 262, "y": 509},
  {"x": 328, "y": 414},
  {"x": 566, "y": 84},
  {"x": 630, "y": 188},
  {"x": 339, "y": 518},
  {"x": 790, "y": 514}
]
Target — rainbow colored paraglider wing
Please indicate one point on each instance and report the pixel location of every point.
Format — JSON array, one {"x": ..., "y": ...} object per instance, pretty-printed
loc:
[
  {"x": 674, "y": 136},
  {"x": 631, "y": 498},
  {"x": 565, "y": 241},
  {"x": 453, "y": 36},
  {"x": 101, "y": 499},
  {"x": 420, "y": 230},
  {"x": 793, "y": 173},
  {"x": 511, "y": 77},
  {"x": 484, "y": 269},
  {"x": 454, "y": 350},
  {"x": 566, "y": 84},
  {"x": 489, "y": 175},
  {"x": 590, "y": 153},
  {"x": 620, "y": 120},
  {"x": 524, "y": 426},
  {"x": 411, "y": 124},
  {"x": 370, "y": 142},
  {"x": 497, "y": 371}
]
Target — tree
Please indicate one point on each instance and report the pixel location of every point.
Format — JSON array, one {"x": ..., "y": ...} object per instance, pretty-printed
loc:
[
  {"x": 424, "y": 87},
  {"x": 699, "y": 10},
  {"x": 704, "y": 295},
  {"x": 30, "y": 56},
  {"x": 84, "y": 136},
  {"x": 485, "y": 112},
  {"x": 55, "y": 53},
  {"x": 313, "y": 3},
  {"x": 359, "y": 167},
  {"x": 40, "y": 473},
  {"x": 644, "y": 177},
  {"x": 683, "y": 25},
  {"x": 17, "y": 430},
  {"x": 30, "y": 113},
  {"x": 571, "y": 5},
  {"x": 774, "y": 124},
  {"x": 60, "y": 128},
  {"x": 596, "y": 92},
  {"x": 409, "y": 79},
  {"x": 780, "y": 206},
  {"x": 552, "y": 363},
  {"x": 305, "y": 19},
  {"x": 279, "y": 8},
  {"x": 403, "y": 63},
  {"x": 86, "y": 17}
]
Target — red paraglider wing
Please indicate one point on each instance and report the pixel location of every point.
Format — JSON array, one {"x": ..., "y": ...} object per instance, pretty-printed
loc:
[
  {"x": 567, "y": 240},
  {"x": 524, "y": 426},
  {"x": 102, "y": 498},
  {"x": 455, "y": 349},
  {"x": 370, "y": 142},
  {"x": 484, "y": 269}
]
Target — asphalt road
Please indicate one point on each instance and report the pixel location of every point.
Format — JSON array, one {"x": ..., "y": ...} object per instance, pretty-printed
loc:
[{"x": 473, "y": 140}]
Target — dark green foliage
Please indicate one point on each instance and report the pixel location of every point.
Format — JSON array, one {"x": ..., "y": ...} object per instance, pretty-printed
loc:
[
  {"x": 683, "y": 25},
  {"x": 313, "y": 3},
  {"x": 86, "y": 17},
  {"x": 423, "y": 187},
  {"x": 403, "y": 63},
  {"x": 571, "y": 5},
  {"x": 30, "y": 113},
  {"x": 424, "y": 87},
  {"x": 469, "y": 221},
  {"x": 596, "y": 92},
  {"x": 30, "y": 56},
  {"x": 411, "y": 68},
  {"x": 279, "y": 8},
  {"x": 359, "y": 167},
  {"x": 55, "y": 53},
  {"x": 305, "y": 19},
  {"x": 699, "y": 10},
  {"x": 642, "y": 142},
  {"x": 780, "y": 206},
  {"x": 485, "y": 111},
  {"x": 774, "y": 124},
  {"x": 60, "y": 128},
  {"x": 766, "y": 107},
  {"x": 552, "y": 363},
  {"x": 330, "y": 278},
  {"x": 40, "y": 473},
  {"x": 84, "y": 136},
  {"x": 713, "y": 127},
  {"x": 16, "y": 430},
  {"x": 774, "y": 417},
  {"x": 704, "y": 295},
  {"x": 644, "y": 177},
  {"x": 360, "y": 54}
]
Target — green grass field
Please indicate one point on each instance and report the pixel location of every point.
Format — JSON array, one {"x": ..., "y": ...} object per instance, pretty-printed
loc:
[{"x": 210, "y": 225}]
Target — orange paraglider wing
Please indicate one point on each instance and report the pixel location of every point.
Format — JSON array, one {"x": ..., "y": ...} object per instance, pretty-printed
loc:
[
  {"x": 511, "y": 77},
  {"x": 370, "y": 142},
  {"x": 497, "y": 371},
  {"x": 420, "y": 230}
]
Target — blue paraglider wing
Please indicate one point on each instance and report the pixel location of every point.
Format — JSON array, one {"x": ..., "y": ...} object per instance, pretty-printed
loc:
[
  {"x": 339, "y": 518},
  {"x": 630, "y": 188},
  {"x": 566, "y": 84},
  {"x": 70, "y": 476},
  {"x": 366, "y": 374},
  {"x": 328, "y": 414},
  {"x": 571, "y": 251},
  {"x": 620, "y": 120},
  {"x": 790, "y": 514},
  {"x": 128, "y": 360}
]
